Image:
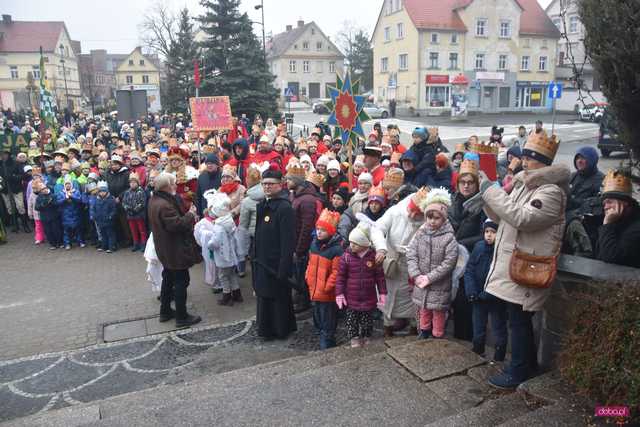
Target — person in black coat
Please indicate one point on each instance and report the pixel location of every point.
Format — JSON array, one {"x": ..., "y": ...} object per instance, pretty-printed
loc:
[
  {"x": 50, "y": 217},
  {"x": 118, "y": 180},
  {"x": 485, "y": 305},
  {"x": 274, "y": 245},
  {"x": 425, "y": 148},
  {"x": 208, "y": 179},
  {"x": 586, "y": 181}
]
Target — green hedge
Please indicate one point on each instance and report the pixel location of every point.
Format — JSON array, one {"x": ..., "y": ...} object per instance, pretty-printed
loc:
[{"x": 601, "y": 356}]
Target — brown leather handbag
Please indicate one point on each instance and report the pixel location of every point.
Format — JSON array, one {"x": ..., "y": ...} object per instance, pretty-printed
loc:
[{"x": 533, "y": 271}]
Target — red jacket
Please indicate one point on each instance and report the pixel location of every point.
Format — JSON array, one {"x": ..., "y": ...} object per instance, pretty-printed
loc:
[
  {"x": 270, "y": 156},
  {"x": 358, "y": 279},
  {"x": 378, "y": 175}
]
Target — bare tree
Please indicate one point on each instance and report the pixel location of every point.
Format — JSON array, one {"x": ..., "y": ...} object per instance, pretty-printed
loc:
[{"x": 158, "y": 28}]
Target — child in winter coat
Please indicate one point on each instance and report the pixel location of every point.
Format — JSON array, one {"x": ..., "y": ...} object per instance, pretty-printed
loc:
[
  {"x": 432, "y": 255},
  {"x": 322, "y": 270},
  {"x": 89, "y": 200},
  {"x": 247, "y": 221},
  {"x": 202, "y": 232},
  {"x": 48, "y": 207},
  {"x": 485, "y": 305},
  {"x": 223, "y": 246},
  {"x": 70, "y": 199},
  {"x": 358, "y": 279},
  {"x": 104, "y": 213},
  {"x": 36, "y": 185},
  {"x": 134, "y": 202}
]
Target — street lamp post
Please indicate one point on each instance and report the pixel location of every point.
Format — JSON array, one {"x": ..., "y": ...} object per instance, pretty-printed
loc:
[
  {"x": 264, "y": 43},
  {"x": 64, "y": 73}
]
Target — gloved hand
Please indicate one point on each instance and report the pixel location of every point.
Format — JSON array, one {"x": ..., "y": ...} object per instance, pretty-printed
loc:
[
  {"x": 422, "y": 281},
  {"x": 485, "y": 182},
  {"x": 382, "y": 300},
  {"x": 341, "y": 301}
]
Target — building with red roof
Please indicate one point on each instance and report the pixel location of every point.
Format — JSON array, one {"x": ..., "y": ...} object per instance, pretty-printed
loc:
[
  {"x": 504, "y": 49},
  {"x": 20, "y": 43}
]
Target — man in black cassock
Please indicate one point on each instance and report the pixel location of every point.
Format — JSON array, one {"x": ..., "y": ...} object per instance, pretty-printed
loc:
[{"x": 274, "y": 244}]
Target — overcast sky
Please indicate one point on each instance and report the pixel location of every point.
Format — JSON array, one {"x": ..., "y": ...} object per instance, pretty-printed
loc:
[{"x": 113, "y": 24}]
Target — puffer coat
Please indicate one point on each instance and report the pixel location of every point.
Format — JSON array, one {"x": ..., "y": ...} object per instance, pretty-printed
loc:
[
  {"x": 531, "y": 217},
  {"x": 248, "y": 206},
  {"x": 358, "y": 277},
  {"x": 322, "y": 270},
  {"x": 433, "y": 254}
]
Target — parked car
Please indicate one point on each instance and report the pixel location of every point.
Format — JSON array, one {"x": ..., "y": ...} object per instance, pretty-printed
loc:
[
  {"x": 608, "y": 139},
  {"x": 374, "y": 111},
  {"x": 592, "y": 112},
  {"x": 320, "y": 106}
]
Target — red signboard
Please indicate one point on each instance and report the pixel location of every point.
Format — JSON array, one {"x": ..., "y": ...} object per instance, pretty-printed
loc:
[
  {"x": 211, "y": 113},
  {"x": 437, "y": 79}
]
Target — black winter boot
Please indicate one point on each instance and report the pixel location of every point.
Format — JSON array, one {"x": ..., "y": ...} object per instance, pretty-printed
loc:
[
  {"x": 499, "y": 354},
  {"x": 237, "y": 295},
  {"x": 478, "y": 348},
  {"x": 25, "y": 223},
  {"x": 226, "y": 299}
]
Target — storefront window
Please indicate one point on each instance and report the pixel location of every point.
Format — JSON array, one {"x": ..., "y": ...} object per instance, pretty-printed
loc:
[
  {"x": 438, "y": 96},
  {"x": 530, "y": 96}
]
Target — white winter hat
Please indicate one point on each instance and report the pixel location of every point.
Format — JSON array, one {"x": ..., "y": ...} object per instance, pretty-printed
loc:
[
  {"x": 218, "y": 203},
  {"x": 333, "y": 164},
  {"x": 323, "y": 160},
  {"x": 360, "y": 236},
  {"x": 437, "y": 199},
  {"x": 365, "y": 177},
  {"x": 305, "y": 158}
]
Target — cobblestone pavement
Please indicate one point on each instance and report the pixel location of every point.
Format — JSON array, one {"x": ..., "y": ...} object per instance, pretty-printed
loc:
[
  {"x": 44, "y": 382},
  {"x": 59, "y": 300}
]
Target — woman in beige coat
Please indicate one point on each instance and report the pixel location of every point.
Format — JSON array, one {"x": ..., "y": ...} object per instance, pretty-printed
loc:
[{"x": 531, "y": 218}]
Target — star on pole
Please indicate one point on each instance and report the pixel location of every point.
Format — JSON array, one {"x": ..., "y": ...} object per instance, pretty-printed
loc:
[{"x": 348, "y": 114}]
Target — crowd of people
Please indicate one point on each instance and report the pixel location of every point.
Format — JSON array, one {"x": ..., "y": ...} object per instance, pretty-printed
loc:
[{"x": 423, "y": 235}]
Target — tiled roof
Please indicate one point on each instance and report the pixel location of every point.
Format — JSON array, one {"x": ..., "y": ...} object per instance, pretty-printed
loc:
[
  {"x": 443, "y": 15},
  {"x": 28, "y": 36},
  {"x": 281, "y": 42}
]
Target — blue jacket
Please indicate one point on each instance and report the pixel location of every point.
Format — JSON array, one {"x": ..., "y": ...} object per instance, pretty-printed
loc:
[
  {"x": 413, "y": 177},
  {"x": 477, "y": 270},
  {"x": 104, "y": 211},
  {"x": 441, "y": 179},
  {"x": 90, "y": 200},
  {"x": 70, "y": 207}
]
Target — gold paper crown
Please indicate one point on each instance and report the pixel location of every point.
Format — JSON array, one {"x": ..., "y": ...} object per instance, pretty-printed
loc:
[
  {"x": 460, "y": 148},
  {"x": 253, "y": 175},
  {"x": 484, "y": 147},
  {"x": 420, "y": 195},
  {"x": 229, "y": 171},
  {"x": 296, "y": 171},
  {"x": 468, "y": 166},
  {"x": 541, "y": 143},
  {"x": 395, "y": 158},
  {"x": 377, "y": 191},
  {"x": 433, "y": 135},
  {"x": 208, "y": 149},
  {"x": 316, "y": 178},
  {"x": 616, "y": 181},
  {"x": 302, "y": 145},
  {"x": 393, "y": 179}
]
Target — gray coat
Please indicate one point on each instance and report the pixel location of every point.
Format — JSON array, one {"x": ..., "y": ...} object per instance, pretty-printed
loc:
[
  {"x": 433, "y": 254},
  {"x": 248, "y": 205}
]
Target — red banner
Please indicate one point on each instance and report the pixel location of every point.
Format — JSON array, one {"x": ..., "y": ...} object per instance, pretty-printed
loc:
[
  {"x": 437, "y": 79},
  {"x": 196, "y": 73},
  {"x": 211, "y": 113}
]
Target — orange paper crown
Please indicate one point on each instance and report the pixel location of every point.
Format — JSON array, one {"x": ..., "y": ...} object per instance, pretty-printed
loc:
[
  {"x": 418, "y": 197},
  {"x": 460, "y": 148},
  {"x": 393, "y": 179},
  {"x": 296, "y": 171},
  {"x": 328, "y": 220},
  {"x": 316, "y": 178},
  {"x": 484, "y": 148},
  {"x": 468, "y": 166},
  {"x": 377, "y": 193}
]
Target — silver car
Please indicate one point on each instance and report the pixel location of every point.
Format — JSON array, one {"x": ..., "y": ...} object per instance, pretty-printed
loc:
[{"x": 374, "y": 111}]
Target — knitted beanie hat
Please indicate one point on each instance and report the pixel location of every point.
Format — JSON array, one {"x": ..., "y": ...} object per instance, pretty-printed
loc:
[
  {"x": 360, "y": 236},
  {"x": 437, "y": 199}
]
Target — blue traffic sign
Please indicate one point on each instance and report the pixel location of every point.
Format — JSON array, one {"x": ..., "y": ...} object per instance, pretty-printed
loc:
[
  {"x": 288, "y": 92},
  {"x": 554, "y": 90}
]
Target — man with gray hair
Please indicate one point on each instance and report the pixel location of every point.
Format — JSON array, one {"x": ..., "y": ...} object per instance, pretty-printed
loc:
[{"x": 176, "y": 248}]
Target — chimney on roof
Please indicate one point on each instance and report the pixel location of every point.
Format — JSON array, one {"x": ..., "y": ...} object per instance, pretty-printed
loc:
[
  {"x": 289, "y": 27},
  {"x": 300, "y": 23},
  {"x": 6, "y": 19}
]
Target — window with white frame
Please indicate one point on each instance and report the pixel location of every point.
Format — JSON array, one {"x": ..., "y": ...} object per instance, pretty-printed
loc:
[
  {"x": 318, "y": 45},
  {"x": 453, "y": 61},
  {"x": 454, "y": 38},
  {"x": 573, "y": 24},
  {"x": 433, "y": 60},
  {"x": 479, "y": 65},
  {"x": 305, "y": 45},
  {"x": 305, "y": 66},
  {"x": 438, "y": 96},
  {"x": 558, "y": 23},
  {"x": 403, "y": 61},
  {"x": 505, "y": 29},
  {"x": 503, "y": 62},
  {"x": 387, "y": 34},
  {"x": 293, "y": 66},
  {"x": 319, "y": 67},
  {"x": 400, "y": 30},
  {"x": 542, "y": 63},
  {"x": 524, "y": 63},
  {"x": 481, "y": 27},
  {"x": 13, "y": 69},
  {"x": 129, "y": 80},
  {"x": 35, "y": 72},
  {"x": 435, "y": 38},
  {"x": 384, "y": 65},
  {"x": 332, "y": 67}
]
